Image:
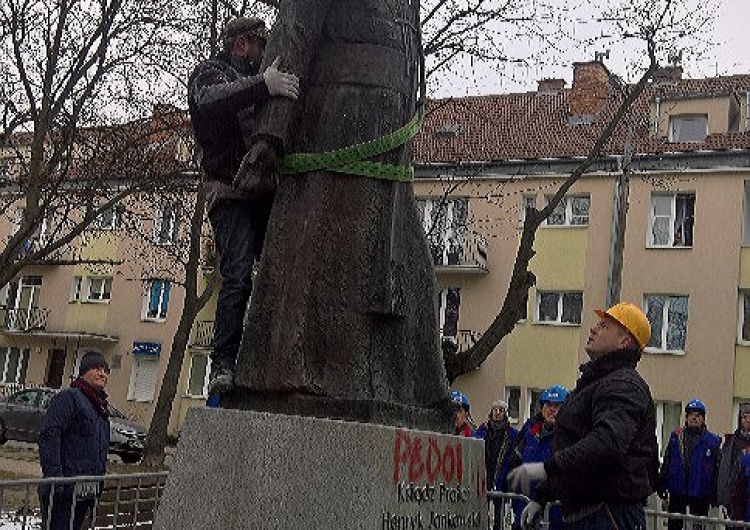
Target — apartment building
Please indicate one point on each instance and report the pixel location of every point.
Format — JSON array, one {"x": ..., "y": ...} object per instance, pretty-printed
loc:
[{"x": 680, "y": 166}]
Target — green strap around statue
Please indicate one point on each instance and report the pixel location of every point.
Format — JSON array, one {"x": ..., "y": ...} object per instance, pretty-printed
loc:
[{"x": 352, "y": 160}]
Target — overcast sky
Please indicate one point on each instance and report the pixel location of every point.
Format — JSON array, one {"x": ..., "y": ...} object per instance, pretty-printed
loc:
[{"x": 729, "y": 54}]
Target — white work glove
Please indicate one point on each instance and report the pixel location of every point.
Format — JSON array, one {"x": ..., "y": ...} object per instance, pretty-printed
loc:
[
  {"x": 280, "y": 83},
  {"x": 520, "y": 478},
  {"x": 530, "y": 514}
]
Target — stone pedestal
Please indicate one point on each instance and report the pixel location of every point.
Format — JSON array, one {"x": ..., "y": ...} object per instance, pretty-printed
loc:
[{"x": 240, "y": 469}]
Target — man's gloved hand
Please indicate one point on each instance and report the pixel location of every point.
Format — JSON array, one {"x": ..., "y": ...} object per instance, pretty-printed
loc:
[
  {"x": 257, "y": 176},
  {"x": 520, "y": 478},
  {"x": 530, "y": 515},
  {"x": 280, "y": 83}
]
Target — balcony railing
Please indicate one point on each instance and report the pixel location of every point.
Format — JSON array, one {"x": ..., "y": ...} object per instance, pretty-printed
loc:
[
  {"x": 24, "y": 319},
  {"x": 460, "y": 340},
  {"x": 469, "y": 255},
  {"x": 204, "y": 334}
]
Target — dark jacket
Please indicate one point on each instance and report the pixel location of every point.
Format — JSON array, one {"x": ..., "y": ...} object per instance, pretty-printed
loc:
[
  {"x": 221, "y": 98},
  {"x": 499, "y": 439},
  {"x": 604, "y": 449},
  {"x": 739, "y": 490},
  {"x": 734, "y": 446},
  {"x": 690, "y": 467},
  {"x": 74, "y": 439}
]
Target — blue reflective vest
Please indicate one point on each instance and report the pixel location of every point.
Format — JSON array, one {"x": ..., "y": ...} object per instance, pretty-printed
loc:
[
  {"x": 703, "y": 460},
  {"x": 537, "y": 447}
]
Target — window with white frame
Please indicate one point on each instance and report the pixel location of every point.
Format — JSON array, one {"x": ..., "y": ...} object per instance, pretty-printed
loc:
[
  {"x": 99, "y": 289},
  {"x": 38, "y": 236},
  {"x": 167, "y": 223},
  {"x": 668, "y": 316},
  {"x": 559, "y": 307},
  {"x": 143, "y": 378},
  {"x": 533, "y": 401},
  {"x": 513, "y": 398},
  {"x": 527, "y": 201},
  {"x": 13, "y": 364},
  {"x": 449, "y": 303},
  {"x": 75, "y": 289},
  {"x": 444, "y": 221},
  {"x": 743, "y": 331},
  {"x": 746, "y": 215},
  {"x": 111, "y": 218},
  {"x": 156, "y": 299},
  {"x": 688, "y": 128},
  {"x": 668, "y": 418},
  {"x": 200, "y": 368},
  {"x": 572, "y": 210},
  {"x": 672, "y": 219}
]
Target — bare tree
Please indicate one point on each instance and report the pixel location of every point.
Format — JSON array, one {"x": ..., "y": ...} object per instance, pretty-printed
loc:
[
  {"x": 69, "y": 71},
  {"x": 658, "y": 24}
]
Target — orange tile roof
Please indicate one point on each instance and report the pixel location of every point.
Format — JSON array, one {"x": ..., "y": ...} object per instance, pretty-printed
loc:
[{"x": 534, "y": 125}]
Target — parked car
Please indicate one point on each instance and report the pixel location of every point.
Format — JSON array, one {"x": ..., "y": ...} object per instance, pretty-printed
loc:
[{"x": 21, "y": 416}]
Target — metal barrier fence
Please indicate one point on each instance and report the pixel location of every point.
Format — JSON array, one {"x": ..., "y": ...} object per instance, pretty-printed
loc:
[
  {"x": 119, "y": 502},
  {"x": 655, "y": 519}
]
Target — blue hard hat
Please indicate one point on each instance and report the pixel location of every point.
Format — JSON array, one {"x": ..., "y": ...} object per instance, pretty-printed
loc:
[
  {"x": 695, "y": 405},
  {"x": 460, "y": 399},
  {"x": 554, "y": 394}
]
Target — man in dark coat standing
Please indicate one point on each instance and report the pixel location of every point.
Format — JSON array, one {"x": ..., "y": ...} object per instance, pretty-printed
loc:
[
  {"x": 222, "y": 94},
  {"x": 74, "y": 441},
  {"x": 605, "y": 458}
]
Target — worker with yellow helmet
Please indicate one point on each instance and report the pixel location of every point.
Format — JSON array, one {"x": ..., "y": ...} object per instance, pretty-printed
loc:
[{"x": 604, "y": 461}]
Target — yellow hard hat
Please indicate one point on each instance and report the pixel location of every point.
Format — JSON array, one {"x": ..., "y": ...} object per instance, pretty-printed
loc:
[{"x": 632, "y": 319}]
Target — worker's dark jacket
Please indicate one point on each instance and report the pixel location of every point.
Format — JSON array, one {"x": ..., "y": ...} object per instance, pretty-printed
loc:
[
  {"x": 74, "y": 438},
  {"x": 221, "y": 97},
  {"x": 604, "y": 449}
]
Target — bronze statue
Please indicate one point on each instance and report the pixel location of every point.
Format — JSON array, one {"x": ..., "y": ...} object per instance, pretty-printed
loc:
[{"x": 342, "y": 320}]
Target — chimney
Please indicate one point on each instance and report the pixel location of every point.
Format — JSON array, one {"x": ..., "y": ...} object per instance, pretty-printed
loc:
[
  {"x": 551, "y": 85},
  {"x": 668, "y": 74},
  {"x": 590, "y": 89}
]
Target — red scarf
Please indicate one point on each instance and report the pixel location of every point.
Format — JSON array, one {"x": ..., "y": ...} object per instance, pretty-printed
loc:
[{"x": 98, "y": 398}]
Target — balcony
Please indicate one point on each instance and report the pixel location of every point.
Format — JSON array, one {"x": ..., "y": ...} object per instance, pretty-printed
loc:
[
  {"x": 203, "y": 334},
  {"x": 467, "y": 256},
  {"x": 459, "y": 341},
  {"x": 21, "y": 320}
]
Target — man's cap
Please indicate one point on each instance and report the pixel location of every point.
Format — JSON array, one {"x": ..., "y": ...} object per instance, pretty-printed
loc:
[
  {"x": 90, "y": 361},
  {"x": 243, "y": 26},
  {"x": 500, "y": 404},
  {"x": 631, "y": 318}
]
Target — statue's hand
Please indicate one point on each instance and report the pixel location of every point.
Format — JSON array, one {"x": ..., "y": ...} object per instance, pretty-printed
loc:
[{"x": 257, "y": 176}]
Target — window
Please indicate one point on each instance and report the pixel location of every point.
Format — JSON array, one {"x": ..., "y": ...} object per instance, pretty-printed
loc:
[
  {"x": 200, "y": 367},
  {"x": 111, "y": 218},
  {"x": 38, "y": 236},
  {"x": 668, "y": 316},
  {"x": 449, "y": 302},
  {"x": 156, "y": 299},
  {"x": 672, "y": 217},
  {"x": 743, "y": 333},
  {"x": 559, "y": 307},
  {"x": 668, "y": 418},
  {"x": 534, "y": 406},
  {"x": 100, "y": 289},
  {"x": 746, "y": 216},
  {"x": 13, "y": 364},
  {"x": 75, "y": 289},
  {"x": 571, "y": 211},
  {"x": 444, "y": 222},
  {"x": 513, "y": 397},
  {"x": 688, "y": 128},
  {"x": 167, "y": 224},
  {"x": 143, "y": 378},
  {"x": 527, "y": 201}
]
